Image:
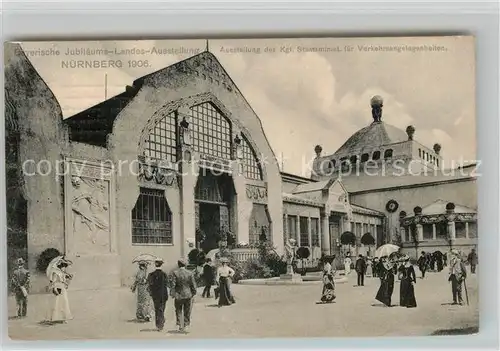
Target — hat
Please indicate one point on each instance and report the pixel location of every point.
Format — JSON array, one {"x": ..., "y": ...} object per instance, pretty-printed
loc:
[
  {"x": 405, "y": 258},
  {"x": 182, "y": 262},
  {"x": 143, "y": 263},
  {"x": 455, "y": 252},
  {"x": 19, "y": 261},
  {"x": 224, "y": 260}
]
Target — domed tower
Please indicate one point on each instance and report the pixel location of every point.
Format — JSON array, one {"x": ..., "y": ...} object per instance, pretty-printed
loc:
[{"x": 378, "y": 146}]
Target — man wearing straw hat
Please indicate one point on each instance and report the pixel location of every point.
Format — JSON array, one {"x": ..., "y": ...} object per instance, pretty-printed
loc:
[
  {"x": 158, "y": 289},
  {"x": 20, "y": 281},
  {"x": 183, "y": 291},
  {"x": 457, "y": 276}
]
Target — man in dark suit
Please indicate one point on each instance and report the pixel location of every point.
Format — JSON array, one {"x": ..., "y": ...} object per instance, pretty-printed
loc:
[
  {"x": 208, "y": 277},
  {"x": 472, "y": 259},
  {"x": 158, "y": 289},
  {"x": 361, "y": 270},
  {"x": 20, "y": 282},
  {"x": 422, "y": 263},
  {"x": 183, "y": 291}
]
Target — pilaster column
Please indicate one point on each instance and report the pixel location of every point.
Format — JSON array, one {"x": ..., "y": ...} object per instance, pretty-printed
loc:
[
  {"x": 309, "y": 232},
  {"x": 451, "y": 230},
  {"x": 286, "y": 231},
  {"x": 188, "y": 184},
  {"x": 297, "y": 238},
  {"x": 467, "y": 230},
  {"x": 420, "y": 232},
  {"x": 242, "y": 210},
  {"x": 325, "y": 235},
  {"x": 403, "y": 234},
  {"x": 433, "y": 231}
]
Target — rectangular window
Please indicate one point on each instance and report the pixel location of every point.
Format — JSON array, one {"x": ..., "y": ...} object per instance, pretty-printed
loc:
[
  {"x": 442, "y": 230},
  {"x": 472, "y": 230},
  {"x": 315, "y": 232},
  {"x": 460, "y": 230},
  {"x": 304, "y": 231},
  {"x": 358, "y": 230},
  {"x": 151, "y": 218},
  {"x": 427, "y": 228}
]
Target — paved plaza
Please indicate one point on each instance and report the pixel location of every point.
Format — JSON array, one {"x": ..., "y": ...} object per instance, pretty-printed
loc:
[{"x": 262, "y": 311}]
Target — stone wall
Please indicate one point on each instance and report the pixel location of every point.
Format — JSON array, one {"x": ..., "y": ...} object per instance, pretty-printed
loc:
[{"x": 43, "y": 141}]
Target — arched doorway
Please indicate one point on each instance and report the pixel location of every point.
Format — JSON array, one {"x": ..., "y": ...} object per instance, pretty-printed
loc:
[{"x": 214, "y": 195}]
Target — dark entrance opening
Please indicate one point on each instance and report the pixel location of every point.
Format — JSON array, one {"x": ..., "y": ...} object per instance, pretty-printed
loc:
[
  {"x": 17, "y": 206},
  {"x": 214, "y": 196}
]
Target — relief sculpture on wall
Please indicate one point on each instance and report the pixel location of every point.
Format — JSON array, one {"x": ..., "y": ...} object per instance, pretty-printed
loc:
[
  {"x": 90, "y": 209},
  {"x": 256, "y": 194}
]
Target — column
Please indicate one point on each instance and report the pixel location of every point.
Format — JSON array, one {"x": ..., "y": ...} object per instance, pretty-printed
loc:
[
  {"x": 286, "y": 231},
  {"x": 467, "y": 230},
  {"x": 451, "y": 230},
  {"x": 420, "y": 232},
  {"x": 433, "y": 231},
  {"x": 403, "y": 234},
  {"x": 243, "y": 210},
  {"x": 309, "y": 233},
  {"x": 298, "y": 232},
  {"x": 188, "y": 225},
  {"x": 325, "y": 233}
]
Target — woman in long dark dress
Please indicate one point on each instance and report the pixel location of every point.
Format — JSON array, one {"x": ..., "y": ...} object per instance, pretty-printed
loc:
[
  {"x": 386, "y": 289},
  {"x": 328, "y": 292},
  {"x": 407, "y": 290},
  {"x": 224, "y": 275}
]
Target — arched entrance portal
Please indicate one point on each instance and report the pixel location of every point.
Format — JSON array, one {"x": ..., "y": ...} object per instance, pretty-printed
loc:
[{"x": 214, "y": 197}]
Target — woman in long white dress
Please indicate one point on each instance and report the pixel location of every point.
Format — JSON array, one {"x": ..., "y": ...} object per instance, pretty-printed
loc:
[
  {"x": 347, "y": 265},
  {"x": 59, "y": 282}
]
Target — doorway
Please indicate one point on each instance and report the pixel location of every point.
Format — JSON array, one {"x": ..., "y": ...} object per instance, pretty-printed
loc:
[{"x": 213, "y": 197}]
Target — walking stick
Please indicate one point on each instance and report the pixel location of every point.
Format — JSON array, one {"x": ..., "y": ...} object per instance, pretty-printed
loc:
[{"x": 466, "y": 293}]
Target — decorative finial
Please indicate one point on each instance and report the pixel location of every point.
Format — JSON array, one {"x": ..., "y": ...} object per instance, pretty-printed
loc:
[
  {"x": 317, "y": 150},
  {"x": 410, "y": 130},
  {"x": 377, "y": 103},
  {"x": 207, "y": 49},
  {"x": 237, "y": 139},
  {"x": 437, "y": 148}
]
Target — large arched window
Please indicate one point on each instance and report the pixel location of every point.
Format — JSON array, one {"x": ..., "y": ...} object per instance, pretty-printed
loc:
[
  {"x": 211, "y": 131},
  {"x": 161, "y": 143},
  {"x": 251, "y": 163}
]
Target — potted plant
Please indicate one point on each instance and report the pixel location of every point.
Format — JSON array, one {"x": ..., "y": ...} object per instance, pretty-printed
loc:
[{"x": 303, "y": 253}]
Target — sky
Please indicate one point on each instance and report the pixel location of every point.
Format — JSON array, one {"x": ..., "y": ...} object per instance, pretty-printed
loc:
[{"x": 305, "y": 91}]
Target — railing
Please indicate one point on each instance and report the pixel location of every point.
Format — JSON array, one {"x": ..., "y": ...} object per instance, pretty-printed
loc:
[{"x": 242, "y": 255}]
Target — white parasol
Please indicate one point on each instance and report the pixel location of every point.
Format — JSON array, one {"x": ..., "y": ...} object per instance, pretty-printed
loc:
[
  {"x": 146, "y": 258},
  {"x": 386, "y": 250},
  {"x": 53, "y": 265}
]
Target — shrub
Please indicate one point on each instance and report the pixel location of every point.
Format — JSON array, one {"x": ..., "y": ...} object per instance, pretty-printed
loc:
[
  {"x": 196, "y": 257},
  {"x": 268, "y": 264},
  {"x": 45, "y": 257}
]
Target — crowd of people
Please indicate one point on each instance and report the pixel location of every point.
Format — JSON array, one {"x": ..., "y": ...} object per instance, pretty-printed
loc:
[
  {"x": 397, "y": 266},
  {"x": 182, "y": 285},
  {"x": 153, "y": 289}
]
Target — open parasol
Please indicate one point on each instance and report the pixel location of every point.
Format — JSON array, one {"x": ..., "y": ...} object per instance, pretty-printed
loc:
[
  {"x": 386, "y": 250},
  {"x": 146, "y": 258},
  {"x": 54, "y": 263}
]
